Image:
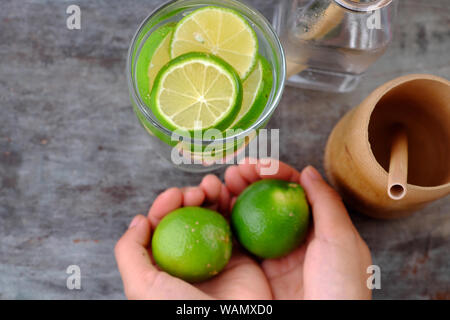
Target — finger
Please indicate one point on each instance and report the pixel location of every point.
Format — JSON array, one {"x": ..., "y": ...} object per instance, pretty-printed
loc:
[
  {"x": 211, "y": 186},
  {"x": 193, "y": 196},
  {"x": 234, "y": 181},
  {"x": 213, "y": 207},
  {"x": 283, "y": 171},
  {"x": 224, "y": 200},
  {"x": 232, "y": 202},
  {"x": 329, "y": 213},
  {"x": 166, "y": 202},
  {"x": 247, "y": 169},
  {"x": 132, "y": 256}
]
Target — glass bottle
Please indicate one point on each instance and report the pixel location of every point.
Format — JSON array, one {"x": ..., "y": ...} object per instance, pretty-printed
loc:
[{"x": 329, "y": 44}]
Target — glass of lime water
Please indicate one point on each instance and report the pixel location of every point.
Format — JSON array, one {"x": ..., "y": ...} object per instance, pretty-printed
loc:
[{"x": 204, "y": 78}]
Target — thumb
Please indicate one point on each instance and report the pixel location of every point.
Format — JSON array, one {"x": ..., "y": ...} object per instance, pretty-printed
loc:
[
  {"x": 132, "y": 256},
  {"x": 329, "y": 213}
]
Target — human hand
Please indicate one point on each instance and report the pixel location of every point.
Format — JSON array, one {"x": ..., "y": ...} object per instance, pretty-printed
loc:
[
  {"x": 242, "y": 278},
  {"x": 332, "y": 262}
]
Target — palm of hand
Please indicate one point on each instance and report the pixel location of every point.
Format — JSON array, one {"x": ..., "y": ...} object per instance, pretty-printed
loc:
[
  {"x": 242, "y": 279},
  {"x": 321, "y": 269}
]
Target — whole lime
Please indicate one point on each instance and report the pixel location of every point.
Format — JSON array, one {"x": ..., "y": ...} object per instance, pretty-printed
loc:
[
  {"x": 270, "y": 218},
  {"x": 192, "y": 243}
]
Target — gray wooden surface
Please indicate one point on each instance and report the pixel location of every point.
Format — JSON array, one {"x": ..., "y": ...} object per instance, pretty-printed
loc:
[{"x": 75, "y": 165}]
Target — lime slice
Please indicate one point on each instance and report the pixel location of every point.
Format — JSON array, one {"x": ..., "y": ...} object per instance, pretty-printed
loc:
[
  {"x": 161, "y": 55},
  {"x": 222, "y": 32},
  {"x": 150, "y": 48},
  {"x": 196, "y": 91},
  {"x": 256, "y": 92},
  {"x": 213, "y": 153}
]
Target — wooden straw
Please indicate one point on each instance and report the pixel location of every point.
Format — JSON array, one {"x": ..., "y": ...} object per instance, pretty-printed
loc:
[{"x": 398, "y": 166}]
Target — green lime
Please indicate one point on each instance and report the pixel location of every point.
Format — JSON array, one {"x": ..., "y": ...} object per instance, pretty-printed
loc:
[
  {"x": 192, "y": 243},
  {"x": 195, "y": 92},
  {"x": 270, "y": 218},
  {"x": 219, "y": 31},
  {"x": 256, "y": 92}
]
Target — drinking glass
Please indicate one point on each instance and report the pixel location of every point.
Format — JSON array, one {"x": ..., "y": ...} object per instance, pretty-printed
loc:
[
  {"x": 202, "y": 153},
  {"x": 329, "y": 44}
]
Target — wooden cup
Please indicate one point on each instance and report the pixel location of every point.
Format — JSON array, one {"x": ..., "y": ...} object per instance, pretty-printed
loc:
[{"x": 358, "y": 150}]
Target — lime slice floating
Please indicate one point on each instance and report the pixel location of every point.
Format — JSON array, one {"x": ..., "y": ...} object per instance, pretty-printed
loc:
[
  {"x": 151, "y": 50},
  {"x": 256, "y": 92},
  {"x": 222, "y": 32},
  {"x": 161, "y": 55},
  {"x": 196, "y": 91},
  {"x": 151, "y": 47}
]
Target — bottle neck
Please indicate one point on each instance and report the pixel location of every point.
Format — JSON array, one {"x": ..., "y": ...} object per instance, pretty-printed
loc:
[{"x": 363, "y": 6}]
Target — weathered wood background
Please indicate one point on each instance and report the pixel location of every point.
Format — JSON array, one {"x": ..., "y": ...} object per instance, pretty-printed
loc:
[{"x": 75, "y": 165}]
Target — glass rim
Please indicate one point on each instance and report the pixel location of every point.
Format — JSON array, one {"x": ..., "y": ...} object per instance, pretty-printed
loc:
[
  {"x": 363, "y": 6},
  {"x": 241, "y": 133}
]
